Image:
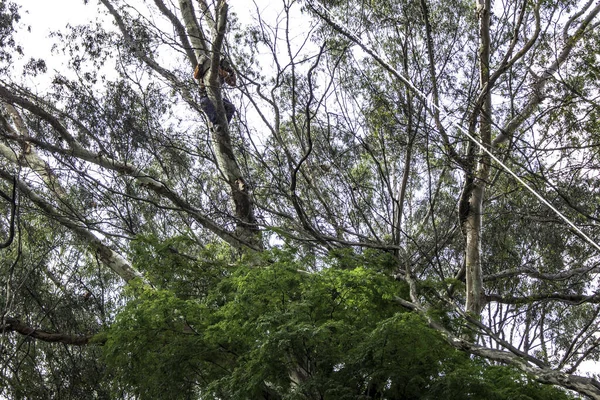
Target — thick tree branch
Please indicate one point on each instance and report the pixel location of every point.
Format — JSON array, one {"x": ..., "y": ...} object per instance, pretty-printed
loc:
[
  {"x": 180, "y": 29},
  {"x": 194, "y": 31},
  {"x": 507, "y": 61},
  {"x": 572, "y": 298},
  {"x": 14, "y": 325},
  {"x": 108, "y": 256},
  {"x": 174, "y": 81},
  {"x": 206, "y": 15},
  {"x": 226, "y": 159},
  {"x": 212, "y": 78},
  {"x": 535, "y": 273},
  {"x": 13, "y": 212},
  {"x": 78, "y": 151}
]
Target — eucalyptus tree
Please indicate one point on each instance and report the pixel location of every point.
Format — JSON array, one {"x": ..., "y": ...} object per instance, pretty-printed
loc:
[
  {"x": 144, "y": 224},
  {"x": 493, "y": 83}
]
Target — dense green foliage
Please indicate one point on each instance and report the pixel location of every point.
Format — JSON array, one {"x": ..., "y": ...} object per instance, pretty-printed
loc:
[{"x": 248, "y": 333}]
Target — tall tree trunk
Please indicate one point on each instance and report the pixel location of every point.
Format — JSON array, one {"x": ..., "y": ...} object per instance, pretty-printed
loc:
[
  {"x": 472, "y": 224},
  {"x": 410, "y": 132},
  {"x": 247, "y": 229}
]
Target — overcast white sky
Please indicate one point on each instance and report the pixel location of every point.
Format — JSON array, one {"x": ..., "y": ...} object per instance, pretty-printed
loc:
[{"x": 45, "y": 16}]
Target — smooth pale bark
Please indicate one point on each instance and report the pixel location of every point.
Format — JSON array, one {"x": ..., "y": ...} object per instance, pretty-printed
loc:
[
  {"x": 472, "y": 224},
  {"x": 77, "y": 150},
  {"x": 247, "y": 228},
  {"x": 192, "y": 27},
  {"x": 28, "y": 156}
]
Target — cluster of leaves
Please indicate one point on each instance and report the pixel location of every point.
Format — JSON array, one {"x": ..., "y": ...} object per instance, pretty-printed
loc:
[
  {"x": 277, "y": 331},
  {"x": 9, "y": 18}
]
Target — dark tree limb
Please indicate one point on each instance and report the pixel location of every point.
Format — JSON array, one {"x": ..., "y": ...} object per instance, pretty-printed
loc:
[
  {"x": 572, "y": 298},
  {"x": 13, "y": 211},
  {"x": 535, "y": 273},
  {"x": 15, "y": 325}
]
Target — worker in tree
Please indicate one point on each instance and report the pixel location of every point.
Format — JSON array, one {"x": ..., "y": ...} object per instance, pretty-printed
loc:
[{"x": 227, "y": 75}]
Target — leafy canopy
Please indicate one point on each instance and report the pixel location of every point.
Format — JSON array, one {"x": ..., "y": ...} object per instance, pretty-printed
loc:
[{"x": 212, "y": 329}]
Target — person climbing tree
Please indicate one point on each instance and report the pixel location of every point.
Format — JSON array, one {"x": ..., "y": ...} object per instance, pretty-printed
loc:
[{"x": 227, "y": 75}]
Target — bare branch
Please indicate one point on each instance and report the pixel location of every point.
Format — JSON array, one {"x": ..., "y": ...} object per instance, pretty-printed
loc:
[
  {"x": 436, "y": 98},
  {"x": 587, "y": 386},
  {"x": 180, "y": 29},
  {"x": 109, "y": 257},
  {"x": 572, "y": 298},
  {"x": 539, "y": 86},
  {"x": 533, "y": 272},
  {"x": 506, "y": 63}
]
